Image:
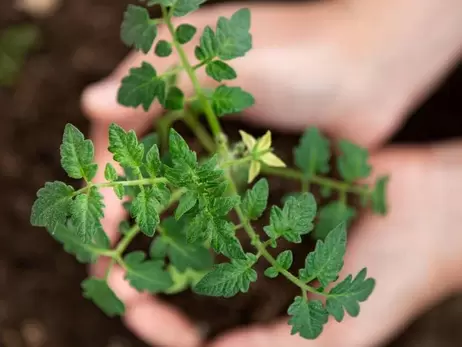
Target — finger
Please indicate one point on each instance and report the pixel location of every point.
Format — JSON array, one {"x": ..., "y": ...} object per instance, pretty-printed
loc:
[
  {"x": 151, "y": 320},
  {"x": 401, "y": 251}
]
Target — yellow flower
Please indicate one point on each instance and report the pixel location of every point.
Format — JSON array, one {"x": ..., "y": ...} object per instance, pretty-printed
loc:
[{"x": 261, "y": 151}]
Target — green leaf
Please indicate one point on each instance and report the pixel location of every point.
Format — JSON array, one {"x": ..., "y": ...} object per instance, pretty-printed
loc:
[
  {"x": 184, "y": 33},
  {"x": 220, "y": 71},
  {"x": 307, "y": 318},
  {"x": 145, "y": 210},
  {"x": 221, "y": 206},
  {"x": 224, "y": 240},
  {"x": 182, "y": 254},
  {"x": 125, "y": 147},
  {"x": 187, "y": 202},
  {"x": 313, "y": 152},
  {"x": 233, "y": 36},
  {"x": 326, "y": 261},
  {"x": 102, "y": 296},
  {"x": 163, "y": 49},
  {"x": 141, "y": 87},
  {"x": 119, "y": 191},
  {"x": 138, "y": 29},
  {"x": 227, "y": 279},
  {"x": 77, "y": 154},
  {"x": 86, "y": 211},
  {"x": 183, "y": 7},
  {"x": 52, "y": 205},
  {"x": 294, "y": 220},
  {"x": 85, "y": 252},
  {"x": 256, "y": 200},
  {"x": 166, "y": 3},
  {"x": 285, "y": 259},
  {"x": 353, "y": 162},
  {"x": 146, "y": 275},
  {"x": 378, "y": 196},
  {"x": 332, "y": 215},
  {"x": 208, "y": 45},
  {"x": 158, "y": 248},
  {"x": 16, "y": 41},
  {"x": 229, "y": 100},
  {"x": 153, "y": 164},
  {"x": 347, "y": 295},
  {"x": 110, "y": 173},
  {"x": 271, "y": 272},
  {"x": 179, "y": 150},
  {"x": 174, "y": 99}
]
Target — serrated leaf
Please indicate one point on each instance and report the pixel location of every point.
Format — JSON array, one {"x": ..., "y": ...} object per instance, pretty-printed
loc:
[
  {"x": 378, "y": 196},
  {"x": 102, "y": 296},
  {"x": 183, "y": 7},
  {"x": 141, "y": 87},
  {"x": 229, "y": 100},
  {"x": 138, "y": 29},
  {"x": 326, "y": 261},
  {"x": 174, "y": 99},
  {"x": 221, "y": 206},
  {"x": 332, "y": 215},
  {"x": 353, "y": 162},
  {"x": 220, "y": 71},
  {"x": 179, "y": 150},
  {"x": 271, "y": 272},
  {"x": 307, "y": 318},
  {"x": 233, "y": 36},
  {"x": 110, "y": 173},
  {"x": 208, "y": 45},
  {"x": 294, "y": 220},
  {"x": 224, "y": 240},
  {"x": 125, "y": 147},
  {"x": 347, "y": 295},
  {"x": 187, "y": 202},
  {"x": 153, "y": 164},
  {"x": 86, "y": 212},
  {"x": 146, "y": 275},
  {"x": 285, "y": 259},
  {"x": 256, "y": 200},
  {"x": 52, "y": 205},
  {"x": 313, "y": 153},
  {"x": 227, "y": 279},
  {"x": 145, "y": 211},
  {"x": 184, "y": 33},
  {"x": 163, "y": 48},
  {"x": 85, "y": 252},
  {"x": 77, "y": 154}
]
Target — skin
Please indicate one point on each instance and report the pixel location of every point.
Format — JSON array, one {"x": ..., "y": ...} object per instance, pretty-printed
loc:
[{"x": 356, "y": 70}]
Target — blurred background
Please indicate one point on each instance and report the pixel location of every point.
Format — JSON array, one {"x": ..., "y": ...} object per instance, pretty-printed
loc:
[{"x": 49, "y": 51}]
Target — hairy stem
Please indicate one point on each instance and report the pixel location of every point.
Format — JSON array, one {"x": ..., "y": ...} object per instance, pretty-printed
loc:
[
  {"x": 138, "y": 182},
  {"x": 212, "y": 119}
]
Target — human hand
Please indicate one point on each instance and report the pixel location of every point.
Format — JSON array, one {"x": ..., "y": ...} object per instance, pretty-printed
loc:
[
  {"x": 414, "y": 253},
  {"x": 317, "y": 79}
]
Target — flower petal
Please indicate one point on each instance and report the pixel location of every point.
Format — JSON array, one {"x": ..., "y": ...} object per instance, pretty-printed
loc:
[
  {"x": 271, "y": 159},
  {"x": 248, "y": 140},
  {"x": 264, "y": 142},
  {"x": 254, "y": 170}
]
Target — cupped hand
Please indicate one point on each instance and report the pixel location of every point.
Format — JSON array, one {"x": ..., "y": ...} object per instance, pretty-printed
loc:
[{"x": 320, "y": 76}]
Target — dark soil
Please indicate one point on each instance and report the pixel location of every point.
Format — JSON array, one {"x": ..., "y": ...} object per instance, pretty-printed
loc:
[{"x": 40, "y": 299}]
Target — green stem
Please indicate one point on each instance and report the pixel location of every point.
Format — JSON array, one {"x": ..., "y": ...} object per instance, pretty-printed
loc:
[
  {"x": 199, "y": 131},
  {"x": 138, "y": 182},
  {"x": 212, "y": 119},
  {"x": 322, "y": 181},
  {"x": 261, "y": 248}
]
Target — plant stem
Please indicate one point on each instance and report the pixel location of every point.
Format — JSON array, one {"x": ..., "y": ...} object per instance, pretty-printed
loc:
[
  {"x": 212, "y": 119},
  {"x": 141, "y": 181},
  {"x": 322, "y": 181},
  {"x": 200, "y": 132}
]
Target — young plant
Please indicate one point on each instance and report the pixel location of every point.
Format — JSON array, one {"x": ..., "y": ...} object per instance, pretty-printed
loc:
[{"x": 203, "y": 194}]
